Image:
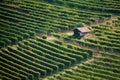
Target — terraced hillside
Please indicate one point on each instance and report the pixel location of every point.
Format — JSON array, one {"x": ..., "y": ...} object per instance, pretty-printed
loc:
[
  {"x": 106, "y": 37},
  {"x": 109, "y": 6},
  {"x": 38, "y": 58},
  {"x": 104, "y": 67},
  {"x": 30, "y": 17},
  {"x": 27, "y": 51}
]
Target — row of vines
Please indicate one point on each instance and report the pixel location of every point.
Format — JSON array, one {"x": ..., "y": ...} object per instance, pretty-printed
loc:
[
  {"x": 24, "y": 19},
  {"x": 33, "y": 59},
  {"x": 102, "y": 68}
]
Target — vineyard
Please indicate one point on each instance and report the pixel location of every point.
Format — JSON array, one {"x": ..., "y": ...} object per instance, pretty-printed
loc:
[
  {"x": 35, "y": 43},
  {"x": 102, "y": 68},
  {"x": 106, "y": 37}
]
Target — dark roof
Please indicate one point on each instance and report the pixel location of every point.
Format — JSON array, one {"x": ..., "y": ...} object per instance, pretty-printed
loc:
[{"x": 83, "y": 30}]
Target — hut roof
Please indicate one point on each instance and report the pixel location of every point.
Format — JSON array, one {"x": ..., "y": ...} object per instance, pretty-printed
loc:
[{"x": 83, "y": 30}]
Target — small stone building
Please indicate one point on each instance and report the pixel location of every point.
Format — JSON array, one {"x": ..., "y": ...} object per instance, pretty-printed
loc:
[{"x": 80, "y": 32}]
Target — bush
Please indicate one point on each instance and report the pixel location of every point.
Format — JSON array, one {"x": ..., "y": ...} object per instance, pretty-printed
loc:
[
  {"x": 118, "y": 18},
  {"x": 78, "y": 25},
  {"x": 44, "y": 37}
]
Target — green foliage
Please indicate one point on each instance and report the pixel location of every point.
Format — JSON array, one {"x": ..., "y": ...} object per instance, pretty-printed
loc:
[
  {"x": 56, "y": 35},
  {"x": 44, "y": 37},
  {"x": 78, "y": 25},
  {"x": 58, "y": 42},
  {"x": 34, "y": 58},
  {"x": 102, "y": 68}
]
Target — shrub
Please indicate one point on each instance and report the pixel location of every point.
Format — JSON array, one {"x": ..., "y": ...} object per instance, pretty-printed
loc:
[{"x": 44, "y": 37}]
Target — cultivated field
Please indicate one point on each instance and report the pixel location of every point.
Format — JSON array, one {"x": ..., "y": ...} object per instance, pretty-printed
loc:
[{"x": 37, "y": 42}]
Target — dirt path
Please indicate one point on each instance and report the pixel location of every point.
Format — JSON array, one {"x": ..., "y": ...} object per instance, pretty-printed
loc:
[
  {"x": 71, "y": 32},
  {"x": 96, "y": 52},
  {"x": 104, "y": 22},
  {"x": 49, "y": 38}
]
